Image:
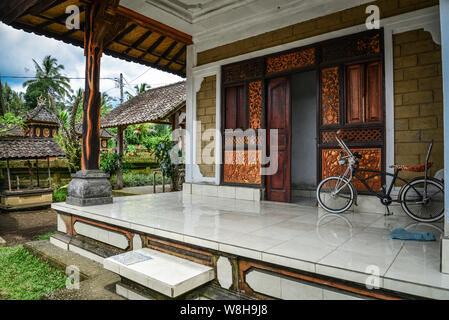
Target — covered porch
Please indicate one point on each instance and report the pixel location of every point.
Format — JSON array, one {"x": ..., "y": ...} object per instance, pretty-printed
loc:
[{"x": 268, "y": 250}]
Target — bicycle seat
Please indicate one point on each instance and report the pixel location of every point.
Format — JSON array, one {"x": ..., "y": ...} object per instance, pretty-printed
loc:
[{"x": 420, "y": 168}]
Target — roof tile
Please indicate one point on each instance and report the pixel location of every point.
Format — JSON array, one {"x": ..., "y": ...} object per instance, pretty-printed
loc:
[{"x": 151, "y": 105}]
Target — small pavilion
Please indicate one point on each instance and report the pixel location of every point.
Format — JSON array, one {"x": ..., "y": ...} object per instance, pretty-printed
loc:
[{"x": 27, "y": 148}]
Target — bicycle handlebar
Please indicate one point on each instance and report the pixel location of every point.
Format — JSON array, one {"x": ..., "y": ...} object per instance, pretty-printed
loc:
[{"x": 342, "y": 144}]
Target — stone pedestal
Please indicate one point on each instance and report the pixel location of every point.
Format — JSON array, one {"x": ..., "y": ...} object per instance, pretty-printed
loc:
[{"x": 89, "y": 188}]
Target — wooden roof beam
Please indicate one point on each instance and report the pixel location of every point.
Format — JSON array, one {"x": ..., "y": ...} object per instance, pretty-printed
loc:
[
  {"x": 138, "y": 42},
  {"x": 123, "y": 34},
  {"x": 167, "y": 52},
  {"x": 58, "y": 20},
  {"x": 43, "y": 5},
  {"x": 153, "y": 47},
  {"x": 177, "y": 56},
  {"x": 145, "y": 52},
  {"x": 16, "y": 9},
  {"x": 155, "y": 25}
]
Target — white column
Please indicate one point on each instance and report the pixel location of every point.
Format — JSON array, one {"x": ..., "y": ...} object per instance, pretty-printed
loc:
[
  {"x": 218, "y": 141},
  {"x": 190, "y": 152},
  {"x": 444, "y": 21}
]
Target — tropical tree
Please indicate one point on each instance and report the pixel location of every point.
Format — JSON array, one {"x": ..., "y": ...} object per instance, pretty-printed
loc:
[
  {"x": 107, "y": 103},
  {"x": 11, "y": 101},
  {"x": 71, "y": 102},
  {"x": 68, "y": 119},
  {"x": 9, "y": 121},
  {"x": 161, "y": 146},
  {"x": 138, "y": 90},
  {"x": 67, "y": 137},
  {"x": 48, "y": 81}
]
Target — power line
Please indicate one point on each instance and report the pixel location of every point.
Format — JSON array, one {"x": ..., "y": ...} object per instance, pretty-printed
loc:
[
  {"x": 70, "y": 78},
  {"x": 140, "y": 75}
]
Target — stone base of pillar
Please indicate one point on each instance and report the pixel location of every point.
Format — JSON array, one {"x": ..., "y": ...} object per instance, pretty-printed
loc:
[
  {"x": 89, "y": 188},
  {"x": 445, "y": 255}
]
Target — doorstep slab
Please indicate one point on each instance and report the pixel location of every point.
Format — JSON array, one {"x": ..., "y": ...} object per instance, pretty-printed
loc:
[{"x": 166, "y": 274}]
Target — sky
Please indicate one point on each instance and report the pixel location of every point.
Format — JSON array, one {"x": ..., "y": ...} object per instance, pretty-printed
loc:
[{"x": 18, "y": 48}]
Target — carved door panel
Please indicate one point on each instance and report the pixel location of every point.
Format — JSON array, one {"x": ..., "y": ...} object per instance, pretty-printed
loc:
[
  {"x": 374, "y": 92},
  {"x": 235, "y": 112},
  {"x": 355, "y": 93},
  {"x": 278, "y": 117},
  {"x": 364, "y": 92}
]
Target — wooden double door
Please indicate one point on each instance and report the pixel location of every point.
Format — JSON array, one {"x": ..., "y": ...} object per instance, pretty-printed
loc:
[{"x": 360, "y": 109}]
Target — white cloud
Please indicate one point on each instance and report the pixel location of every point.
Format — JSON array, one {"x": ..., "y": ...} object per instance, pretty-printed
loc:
[{"x": 18, "y": 48}]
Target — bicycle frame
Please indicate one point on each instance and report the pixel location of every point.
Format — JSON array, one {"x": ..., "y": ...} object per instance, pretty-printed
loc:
[
  {"x": 353, "y": 171},
  {"x": 377, "y": 173},
  {"x": 413, "y": 196}
]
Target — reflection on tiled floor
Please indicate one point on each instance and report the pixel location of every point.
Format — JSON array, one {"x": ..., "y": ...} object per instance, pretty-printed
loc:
[{"x": 347, "y": 246}]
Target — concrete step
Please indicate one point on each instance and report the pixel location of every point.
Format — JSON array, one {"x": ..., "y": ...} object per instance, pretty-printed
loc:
[{"x": 161, "y": 272}]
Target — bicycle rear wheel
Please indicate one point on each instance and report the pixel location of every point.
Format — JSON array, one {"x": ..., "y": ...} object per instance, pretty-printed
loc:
[
  {"x": 420, "y": 205},
  {"x": 335, "y": 194}
]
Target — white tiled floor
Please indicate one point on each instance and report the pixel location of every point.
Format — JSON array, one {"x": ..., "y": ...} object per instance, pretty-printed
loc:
[{"x": 345, "y": 246}]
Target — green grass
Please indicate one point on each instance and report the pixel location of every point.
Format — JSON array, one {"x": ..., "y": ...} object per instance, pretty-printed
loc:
[
  {"x": 26, "y": 277},
  {"x": 59, "y": 193},
  {"x": 44, "y": 236}
]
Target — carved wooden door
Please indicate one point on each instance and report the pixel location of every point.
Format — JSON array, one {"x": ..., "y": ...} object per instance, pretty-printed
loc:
[{"x": 278, "y": 117}]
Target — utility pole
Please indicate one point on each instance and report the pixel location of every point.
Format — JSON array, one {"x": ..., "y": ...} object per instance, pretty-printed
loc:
[
  {"x": 2, "y": 107},
  {"x": 121, "y": 88},
  {"x": 119, "y": 148}
]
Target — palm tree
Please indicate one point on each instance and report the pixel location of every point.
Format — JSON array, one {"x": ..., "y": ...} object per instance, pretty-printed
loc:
[
  {"x": 107, "y": 103},
  {"x": 139, "y": 89},
  {"x": 49, "y": 76}
]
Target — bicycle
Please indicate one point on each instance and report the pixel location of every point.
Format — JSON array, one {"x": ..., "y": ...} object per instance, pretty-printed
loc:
[{"x": 421, "y": 198}]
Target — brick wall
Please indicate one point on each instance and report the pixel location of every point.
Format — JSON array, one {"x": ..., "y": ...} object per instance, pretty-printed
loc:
[
  {"x": 418, "y": 99},
  {"x": 336, "y": 21},
  {"x": 206, "y": 113}
]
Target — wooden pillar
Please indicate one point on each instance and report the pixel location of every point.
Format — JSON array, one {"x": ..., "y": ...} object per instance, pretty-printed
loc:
[
  {"x": 154, "y": 181},
  {"x": 120, "y": 143},
  {"x": 49, "y": 172},
  {"x": 99, "y": 23},
  {"x": 30, "y": 172},
  {"x": 173, "y": 120},
  {"x": 9, "y": 174},
  {"x": 37, "y": 173}
]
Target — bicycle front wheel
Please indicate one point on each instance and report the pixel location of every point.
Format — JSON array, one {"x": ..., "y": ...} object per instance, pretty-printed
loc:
[
  {"x": 335, "y": 194},
  {"x": 423, "y": 200}
]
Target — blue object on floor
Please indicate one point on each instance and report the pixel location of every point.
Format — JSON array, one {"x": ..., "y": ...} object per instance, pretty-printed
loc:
[{"x": 402, "y": 234}]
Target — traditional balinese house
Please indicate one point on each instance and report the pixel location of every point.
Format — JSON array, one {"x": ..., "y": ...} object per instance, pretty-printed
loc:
[
  {"x": 162, "y": 105},
  {"x": 17, "y": 195},
  {"x": 40, "y": 122},
  {"x": 105, "y": 136},
  {"x": 33, "y": 142},
  {"x": 378, "y": 70}
]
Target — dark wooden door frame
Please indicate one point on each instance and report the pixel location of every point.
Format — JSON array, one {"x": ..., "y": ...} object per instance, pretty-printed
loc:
[{"x": 318, "y": 67}]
